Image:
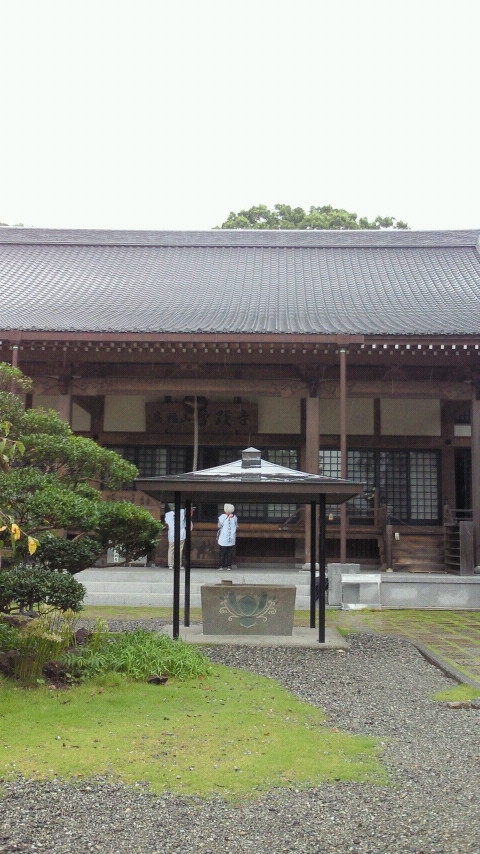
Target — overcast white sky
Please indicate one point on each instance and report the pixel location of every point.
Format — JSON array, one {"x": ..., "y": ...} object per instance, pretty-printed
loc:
[{"x": 167, "y": 114}]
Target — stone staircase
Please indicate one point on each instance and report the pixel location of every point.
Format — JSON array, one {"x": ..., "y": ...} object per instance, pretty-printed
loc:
[{"x": 153, "y": 587}]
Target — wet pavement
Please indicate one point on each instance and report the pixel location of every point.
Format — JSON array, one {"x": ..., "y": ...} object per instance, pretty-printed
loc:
[{"x": 451, "y": 639}]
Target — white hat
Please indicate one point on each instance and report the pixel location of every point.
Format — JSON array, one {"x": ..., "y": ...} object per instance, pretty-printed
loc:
[{"x": 228, "y": 508}]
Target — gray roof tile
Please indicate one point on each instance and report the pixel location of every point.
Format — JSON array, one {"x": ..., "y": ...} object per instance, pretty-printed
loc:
[{"x": 361, "y": 282}]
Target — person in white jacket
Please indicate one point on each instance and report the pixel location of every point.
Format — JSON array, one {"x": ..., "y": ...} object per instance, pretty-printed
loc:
[
  {"x": 170, "y": 523},
  {"x": 227, "y": 533}
]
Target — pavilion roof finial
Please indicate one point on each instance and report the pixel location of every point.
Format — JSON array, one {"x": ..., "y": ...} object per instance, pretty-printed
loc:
[{"x": 251, "y": 458}]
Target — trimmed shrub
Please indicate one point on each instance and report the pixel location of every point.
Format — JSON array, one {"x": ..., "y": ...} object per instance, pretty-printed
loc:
[{"x": 26, "y": 588}]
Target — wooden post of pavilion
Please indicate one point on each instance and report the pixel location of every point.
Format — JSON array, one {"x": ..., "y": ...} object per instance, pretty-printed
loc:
[
  {"x": 313, "y": 560},
  {"x": 187, "y": 553},
  {"x": 176, "y": 567},
  {"x": 322, "y": 562}
]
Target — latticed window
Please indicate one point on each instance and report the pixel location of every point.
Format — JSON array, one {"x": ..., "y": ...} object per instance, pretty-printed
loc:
[
  {"x": 253, "y": 512},
  {"x": 228, "y": 455},
  {"x": 393, "y": 483},
  {"x": 361, "y": 466},
  {"x": 464, "y": 417},
  {"x": 282, "y": 457},
  {"x": 280, "y": 512},
  {"x": 177, "y": 460},
  {"x": 408, "y": 482},
  {"x": 329, "y": 463},
  {"x": 272, "y": 513},
  {"x": 423, "y": 485},
  {"x": 150, "y": 460}
]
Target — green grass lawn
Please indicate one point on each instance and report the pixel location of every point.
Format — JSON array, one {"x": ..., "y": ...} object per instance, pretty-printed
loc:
[{"x": 230, "y": 733}]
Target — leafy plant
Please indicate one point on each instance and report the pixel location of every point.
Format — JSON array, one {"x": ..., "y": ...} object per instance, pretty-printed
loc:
[
  {"x": 48, "y": 480},
  {"x": 61, "y": 554},
  {"x": 26, "y": 588},
  {"x": 137, "y": 654},
  {"x": 317, "y": 217},
  {"x": 42, "y": 640},
  {"x": 8, "y": 637}
]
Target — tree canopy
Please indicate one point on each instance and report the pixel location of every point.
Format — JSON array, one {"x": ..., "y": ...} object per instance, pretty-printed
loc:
[
  {"x": 50, "y": 499},
  {"x": 316, "y": 218}
]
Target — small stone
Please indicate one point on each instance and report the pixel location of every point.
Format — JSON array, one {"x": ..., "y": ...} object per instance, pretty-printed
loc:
[{"x": 155, "y": 679}]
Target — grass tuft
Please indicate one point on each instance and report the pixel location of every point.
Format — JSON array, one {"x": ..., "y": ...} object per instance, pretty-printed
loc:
[{"x": 137, "y": 654}]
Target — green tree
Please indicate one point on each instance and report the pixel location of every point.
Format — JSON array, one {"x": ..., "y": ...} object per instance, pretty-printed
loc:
[
  {"x": 50, "y": 499},
  {"x": 325, "y": 217}
]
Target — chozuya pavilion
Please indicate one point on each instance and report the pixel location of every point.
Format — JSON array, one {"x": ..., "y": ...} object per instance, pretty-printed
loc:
[{"x": 258, "y": 481}]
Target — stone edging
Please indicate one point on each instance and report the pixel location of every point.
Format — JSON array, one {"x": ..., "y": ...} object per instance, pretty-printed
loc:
[{"x": 446, "y": 668}]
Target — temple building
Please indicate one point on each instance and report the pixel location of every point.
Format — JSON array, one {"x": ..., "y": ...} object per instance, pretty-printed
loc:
[{"x": 352, "y": 354}]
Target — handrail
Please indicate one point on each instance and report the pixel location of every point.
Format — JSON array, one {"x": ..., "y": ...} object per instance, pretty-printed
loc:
[
  {"x": 356, "y": 517},
  {"x": 452, "y": 515}
]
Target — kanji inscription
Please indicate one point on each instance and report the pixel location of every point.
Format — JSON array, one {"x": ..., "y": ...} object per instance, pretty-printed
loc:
[{"x": 224, "y": 418}]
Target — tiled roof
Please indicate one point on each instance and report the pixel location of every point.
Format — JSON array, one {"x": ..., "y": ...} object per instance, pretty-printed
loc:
[
  {"x": 263, "y": 480},
  {"x": 325, "y": 282}
]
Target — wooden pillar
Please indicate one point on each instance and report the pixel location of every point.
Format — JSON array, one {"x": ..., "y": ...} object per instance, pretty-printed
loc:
[
  {"x": 65, "y": 406},
  {"x": 313, "y": 559},
  {"x": 65, "y": 399},
  {"x": 448, "y": 412},
  {"x": 343, "y": 451},
  {"x": 187, "y": 554},
  {"x": 312, "y": 448},
  {"x": 176, "y": 567},
  {"x": 95, "y": 406},
  {"x": 476, "y": 469},
  {"x": 323, "y": 568}
]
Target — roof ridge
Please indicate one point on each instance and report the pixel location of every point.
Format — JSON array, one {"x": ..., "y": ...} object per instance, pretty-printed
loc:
[{"x": 241, "y": 238}]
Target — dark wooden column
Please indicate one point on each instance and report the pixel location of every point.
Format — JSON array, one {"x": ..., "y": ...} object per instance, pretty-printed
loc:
[
  {"x": 343, "y": 450},
  {"x": 313, "y": 559},
  {"x": 65, "y": 401},
  {"x": 323, "y": 564},
  {"x": 312, "y": 448},
  {"x": 187, "y": 555},
  {"x": 176, "y": 568},
  {"x": 448, "y": 451},
  {"x": 476, "y": 468},
  {"x": 95, "y": 406}
]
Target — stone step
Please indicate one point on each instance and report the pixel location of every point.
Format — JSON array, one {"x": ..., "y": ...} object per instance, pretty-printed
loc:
[{"x": 154, "y": 587}]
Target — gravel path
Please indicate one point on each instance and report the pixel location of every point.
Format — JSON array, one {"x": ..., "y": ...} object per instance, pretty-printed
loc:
[{"x": 382, "y": 687}]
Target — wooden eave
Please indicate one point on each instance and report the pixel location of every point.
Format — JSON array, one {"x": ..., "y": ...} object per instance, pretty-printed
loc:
[{"x": 24, "y": 339}]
